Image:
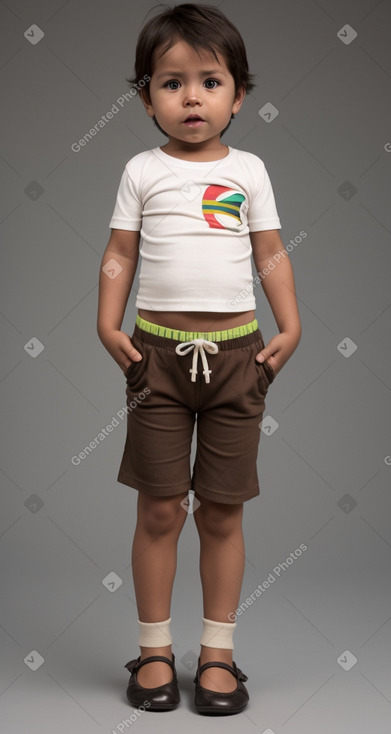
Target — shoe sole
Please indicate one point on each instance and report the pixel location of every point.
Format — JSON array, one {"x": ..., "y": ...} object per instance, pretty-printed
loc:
[
  {"x": 214, "y": 710},
  {"x": 154, "y": 708},
  {"x": 161, "y": 707}
]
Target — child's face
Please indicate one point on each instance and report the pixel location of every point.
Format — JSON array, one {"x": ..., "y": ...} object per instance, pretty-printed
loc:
[{"x": 184, "y": 84}]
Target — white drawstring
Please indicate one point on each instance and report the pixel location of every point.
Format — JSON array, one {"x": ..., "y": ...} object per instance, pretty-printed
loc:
[{"x": 200, "y": 345}]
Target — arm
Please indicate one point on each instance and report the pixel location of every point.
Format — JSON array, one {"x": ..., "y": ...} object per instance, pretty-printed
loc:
[
  {"x": 279, "y": 287},
  {"x": 123, "y": 247}
]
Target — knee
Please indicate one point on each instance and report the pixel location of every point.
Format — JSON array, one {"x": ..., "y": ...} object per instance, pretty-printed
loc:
[
  {"x": 160, "y": 515},
  {"x": 217, "y": 519}
]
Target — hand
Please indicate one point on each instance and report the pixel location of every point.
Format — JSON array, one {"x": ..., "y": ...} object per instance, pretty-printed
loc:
[
  {"x": 278, "y": 350},
  {"x": 120, "y": 346}
]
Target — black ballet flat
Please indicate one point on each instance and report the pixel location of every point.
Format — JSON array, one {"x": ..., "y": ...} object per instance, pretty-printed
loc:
[
  {"x": 213, "y": 702},
  {"x": 160, "y": 698}
]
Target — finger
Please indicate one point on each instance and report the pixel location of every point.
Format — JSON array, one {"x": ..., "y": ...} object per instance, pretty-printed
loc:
[
  {"x": 134, "y": 356},
  {"x": 261, "y": 356}
]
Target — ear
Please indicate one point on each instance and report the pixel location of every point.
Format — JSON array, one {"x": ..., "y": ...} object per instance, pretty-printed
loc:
[
  {"x": 146, "y": 100},
  {"x": 238, "y": 100}
]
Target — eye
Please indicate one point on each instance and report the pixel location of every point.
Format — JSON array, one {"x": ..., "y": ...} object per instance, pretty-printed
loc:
[
  {"x": 214, "y": 81},
  {"x": 172, "y": 81}
]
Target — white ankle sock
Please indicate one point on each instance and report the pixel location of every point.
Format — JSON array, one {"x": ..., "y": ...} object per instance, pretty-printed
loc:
[
  {"x": 217, "y": 634},
  {"x": 154, "y": 634}
]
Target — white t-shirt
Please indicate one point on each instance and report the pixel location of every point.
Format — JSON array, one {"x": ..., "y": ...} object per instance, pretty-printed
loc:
[{"x": 195, "y": 218}]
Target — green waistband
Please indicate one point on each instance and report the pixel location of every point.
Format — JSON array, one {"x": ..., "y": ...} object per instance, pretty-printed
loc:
[{"x": 214, "y": 336}]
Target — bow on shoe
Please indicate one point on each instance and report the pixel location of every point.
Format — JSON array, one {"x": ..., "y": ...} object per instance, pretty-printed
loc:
[
  {"x": 241, "y": 676},
  {"x": 131, "y": 665}
]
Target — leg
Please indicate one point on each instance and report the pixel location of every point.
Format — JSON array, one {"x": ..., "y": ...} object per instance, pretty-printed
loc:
[
  {"x": 154, "y": 558},
  {"x": 221, "y": 567}
]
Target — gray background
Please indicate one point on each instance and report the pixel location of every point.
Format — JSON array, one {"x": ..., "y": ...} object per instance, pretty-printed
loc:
[{"x": 324, "y": 473}]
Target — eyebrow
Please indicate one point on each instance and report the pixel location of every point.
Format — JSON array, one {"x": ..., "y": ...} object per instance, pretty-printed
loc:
[{"x": 179, "y": 73}]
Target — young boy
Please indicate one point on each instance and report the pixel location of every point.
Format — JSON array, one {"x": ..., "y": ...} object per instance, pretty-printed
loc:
[{"x": 202, "y": 209}]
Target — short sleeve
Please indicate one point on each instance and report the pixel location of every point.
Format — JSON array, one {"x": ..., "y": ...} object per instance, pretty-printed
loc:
[
  {"x": 127, "y": 212},
  {"x": 262, "y": 213}
]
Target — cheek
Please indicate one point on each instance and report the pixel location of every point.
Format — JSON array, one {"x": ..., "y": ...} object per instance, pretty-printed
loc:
[{"x": 163, "y": 103}]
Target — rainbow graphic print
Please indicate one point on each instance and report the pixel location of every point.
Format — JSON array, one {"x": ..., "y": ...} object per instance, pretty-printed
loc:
[{"x": 220, "y": 209}]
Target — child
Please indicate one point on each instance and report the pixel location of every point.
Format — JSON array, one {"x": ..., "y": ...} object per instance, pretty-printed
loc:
[{"x": 202, "y": 208}]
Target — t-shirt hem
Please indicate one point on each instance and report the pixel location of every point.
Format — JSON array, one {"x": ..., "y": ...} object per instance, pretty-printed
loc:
[
  {"x": 261, "y": 225},
  {"x": 125, "y": 224},
  {"x": 219, "y": 307}
]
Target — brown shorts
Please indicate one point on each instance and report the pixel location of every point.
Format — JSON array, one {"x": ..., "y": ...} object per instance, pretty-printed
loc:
[{"x": 163, "y": 404}]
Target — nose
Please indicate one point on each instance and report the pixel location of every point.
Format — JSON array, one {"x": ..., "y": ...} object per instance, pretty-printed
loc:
[
  {"x": 192, "y": 95},
  {"x": 192, "y": 102}
]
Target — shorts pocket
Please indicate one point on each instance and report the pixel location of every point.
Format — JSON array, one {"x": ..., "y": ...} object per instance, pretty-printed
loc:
[
  {"x": 270, "y": 374},
  {"x": 132, "y": 367},
  {"x": 135, "y": 367},
  {"x": 264, "y": 367},
  {"x": 266, "y": 372}
]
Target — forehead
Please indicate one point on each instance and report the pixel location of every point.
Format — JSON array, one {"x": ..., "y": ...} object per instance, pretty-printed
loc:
[{"x": 182, "y": 55}]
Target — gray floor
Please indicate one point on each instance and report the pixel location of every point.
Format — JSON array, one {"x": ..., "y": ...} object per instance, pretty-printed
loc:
[{"x": 316, "y": 644}]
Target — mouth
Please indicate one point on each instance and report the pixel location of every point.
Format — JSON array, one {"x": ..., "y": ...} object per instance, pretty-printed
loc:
[{"x": 193, "y": 120}]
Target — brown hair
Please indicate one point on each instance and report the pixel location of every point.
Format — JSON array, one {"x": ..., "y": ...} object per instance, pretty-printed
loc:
[{"x": 201, "y": 26}]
